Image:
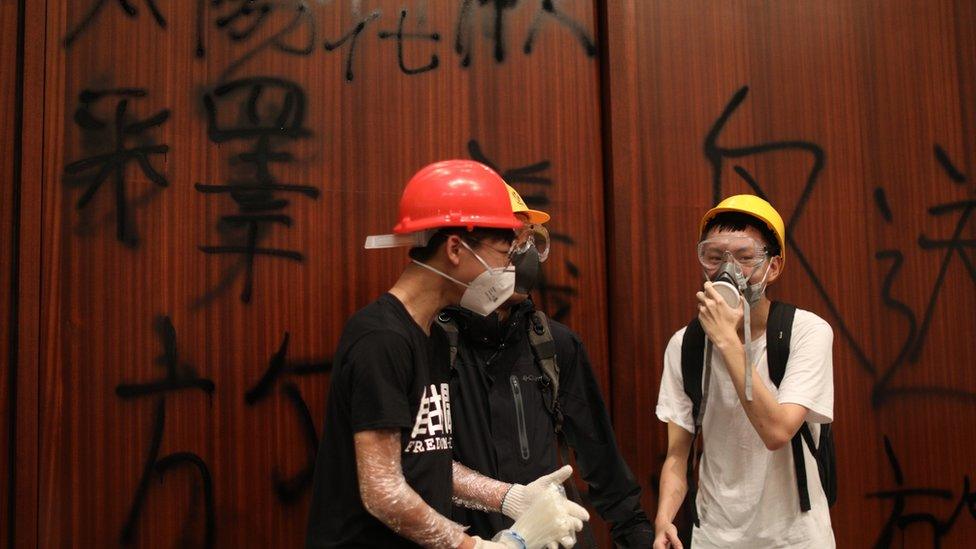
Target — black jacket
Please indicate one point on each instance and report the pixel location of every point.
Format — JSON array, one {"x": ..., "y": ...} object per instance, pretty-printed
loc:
[{"x": 495, "y": 374}]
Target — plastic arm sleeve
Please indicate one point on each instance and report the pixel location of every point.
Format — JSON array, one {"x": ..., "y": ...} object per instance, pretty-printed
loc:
[
  {"x": 387, "y": 496},
  {"x": 476, "y": 491}
]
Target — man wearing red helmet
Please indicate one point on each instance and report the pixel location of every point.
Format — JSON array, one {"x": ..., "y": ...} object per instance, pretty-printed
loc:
[{"x": 384, "y": 475}]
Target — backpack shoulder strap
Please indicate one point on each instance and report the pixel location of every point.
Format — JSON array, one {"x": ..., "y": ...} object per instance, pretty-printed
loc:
[
  {"x": 544, "y": 349},
  {"x": 692, "y": 364},
  {"x": 446, "y": 322},
  {"x": 779, "y": 329}
]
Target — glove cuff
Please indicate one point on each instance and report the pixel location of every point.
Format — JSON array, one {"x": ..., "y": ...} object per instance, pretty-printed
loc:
[
  {"x": 513, "y": 539},
  {"x": 515, "y": 501}
]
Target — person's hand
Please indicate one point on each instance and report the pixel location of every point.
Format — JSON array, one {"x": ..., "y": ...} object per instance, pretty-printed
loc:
[
  {"x": 667, "y": 536},
  {"x": 521, "y": 496},
  {"x": 550, "y": 521},
  {"x": 719, "y": 321}
]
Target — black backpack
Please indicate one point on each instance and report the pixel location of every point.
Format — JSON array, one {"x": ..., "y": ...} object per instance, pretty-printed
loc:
[{"x": 779, "y": 328}]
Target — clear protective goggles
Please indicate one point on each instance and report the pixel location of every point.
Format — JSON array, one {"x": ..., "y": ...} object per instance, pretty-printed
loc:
[
  {"x": 746, "y": 251},
  {"x": 531, "y": 235}
]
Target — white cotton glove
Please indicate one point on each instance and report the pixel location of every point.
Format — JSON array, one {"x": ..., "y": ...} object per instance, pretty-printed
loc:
[
  {"x": 551, "y": 519},
  {"x": 521, "y": 496}
]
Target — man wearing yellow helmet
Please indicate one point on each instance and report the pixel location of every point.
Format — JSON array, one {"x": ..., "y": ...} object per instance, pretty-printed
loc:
[
  {"x": 525, "y": 390},
  {"x": 761, "y": 399}
]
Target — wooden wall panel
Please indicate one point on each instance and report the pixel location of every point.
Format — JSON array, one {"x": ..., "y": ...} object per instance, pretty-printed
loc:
[
  {"x": 9, "y": 178},
  {"x": 871, "y": 90},
  {"x": 125, "y": 307},
  {"x": 27, "y": 265},
  {"x": 869, "y": 109}
]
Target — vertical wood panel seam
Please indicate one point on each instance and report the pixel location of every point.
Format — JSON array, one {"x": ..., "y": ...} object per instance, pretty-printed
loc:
[
  {"x": 42, "y": 179},
  {"x": 13, "y": 333},
  {"x": 39, "y": 124},
  {"x": 606, "y": 145}
]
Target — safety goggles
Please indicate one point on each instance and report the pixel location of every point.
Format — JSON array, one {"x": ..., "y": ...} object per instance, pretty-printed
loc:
[{"x": 746, "y": 251}]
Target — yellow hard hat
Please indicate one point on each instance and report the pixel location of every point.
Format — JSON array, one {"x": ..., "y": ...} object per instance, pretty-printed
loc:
[
  {"x": 519, "y": 207},
  {"x": 754, "y": 206}
]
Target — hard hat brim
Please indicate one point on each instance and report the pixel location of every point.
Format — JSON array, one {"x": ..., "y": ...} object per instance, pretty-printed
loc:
[{"x": 536, "y": 217}]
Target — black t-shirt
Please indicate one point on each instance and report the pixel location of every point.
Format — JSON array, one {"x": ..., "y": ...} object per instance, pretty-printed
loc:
[{"x": 386, "y": 375}]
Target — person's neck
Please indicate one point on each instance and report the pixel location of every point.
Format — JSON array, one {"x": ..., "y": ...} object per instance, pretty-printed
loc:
[
  {"x": 758, "y": 315},
  {"x": 423, "y": 294}
]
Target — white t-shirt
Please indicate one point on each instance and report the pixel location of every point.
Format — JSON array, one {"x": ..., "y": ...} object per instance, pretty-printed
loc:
[{"x": 747, "y": 495}]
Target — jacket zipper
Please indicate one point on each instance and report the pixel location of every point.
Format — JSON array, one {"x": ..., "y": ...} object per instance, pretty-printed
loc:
[{"x": 520, "y": 416}]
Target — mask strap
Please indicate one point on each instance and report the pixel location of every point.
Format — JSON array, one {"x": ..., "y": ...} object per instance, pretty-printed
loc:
[
  {"x": 476, "y": 256},
  {"x": 756, "y": 290},
  {"x": 765, "y": 274},
  {"x": 747, "y": 332},
  {"x": 449, "y": 277}
]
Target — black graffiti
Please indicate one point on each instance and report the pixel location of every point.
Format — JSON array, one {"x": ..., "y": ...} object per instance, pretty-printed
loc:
[
  {"x": 531, "y": 174},
  {"x": 94, "y": 170},
  {"x": 546, "y": 10},
  {"x": 127, "y": 6},
  {"x": 243, "y": 19},
  {"x": 352, "y": 37},
  {"x": 948, "y": 166},
  {"x": 463, "y": 31},
  {"x": 296, "y": 30},
  {"x": 401, "y": 36},
  {"x": 900, "y": 497},
  {"x": 296, "y": 33},
  {"x": 289, "y": 489},
  {"x": 178, "y": 377},
  {"x": 554, "y": 297},
  {"x": 273, "y": 111},
  {"x": 881, "y": 201},
  {"x": 952, "y": 247}
]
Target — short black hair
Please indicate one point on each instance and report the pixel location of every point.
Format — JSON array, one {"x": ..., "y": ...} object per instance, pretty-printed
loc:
[
  {"x": 738, "y": 221},
  {"x": 473, "y": 237}
]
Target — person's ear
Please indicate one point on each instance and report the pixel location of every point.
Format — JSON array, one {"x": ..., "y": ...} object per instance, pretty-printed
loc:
[
  {"x": 452, "y": 248},
  {"x": 775, "y": 268}
]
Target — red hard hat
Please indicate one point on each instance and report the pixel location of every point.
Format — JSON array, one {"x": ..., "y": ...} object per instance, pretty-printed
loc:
[{"x": 455, "y": 193}]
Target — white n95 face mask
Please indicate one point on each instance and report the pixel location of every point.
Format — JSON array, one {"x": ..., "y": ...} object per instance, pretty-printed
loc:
[{"x": 488, "y": 290}]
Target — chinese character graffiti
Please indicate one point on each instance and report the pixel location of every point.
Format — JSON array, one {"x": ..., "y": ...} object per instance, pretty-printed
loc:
[
  {"x": 274, "y": 112},
  {"x": 117, "y": 153}
]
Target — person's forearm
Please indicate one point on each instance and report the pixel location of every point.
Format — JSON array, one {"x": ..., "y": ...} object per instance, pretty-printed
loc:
[
  {"x": 674, "y": 486},
  {"x": 406, "y": 513},
  {"x": 387, "y": 496},
  {"x": 476, "y": 491},
  {"x": 767, "y": 416}
]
